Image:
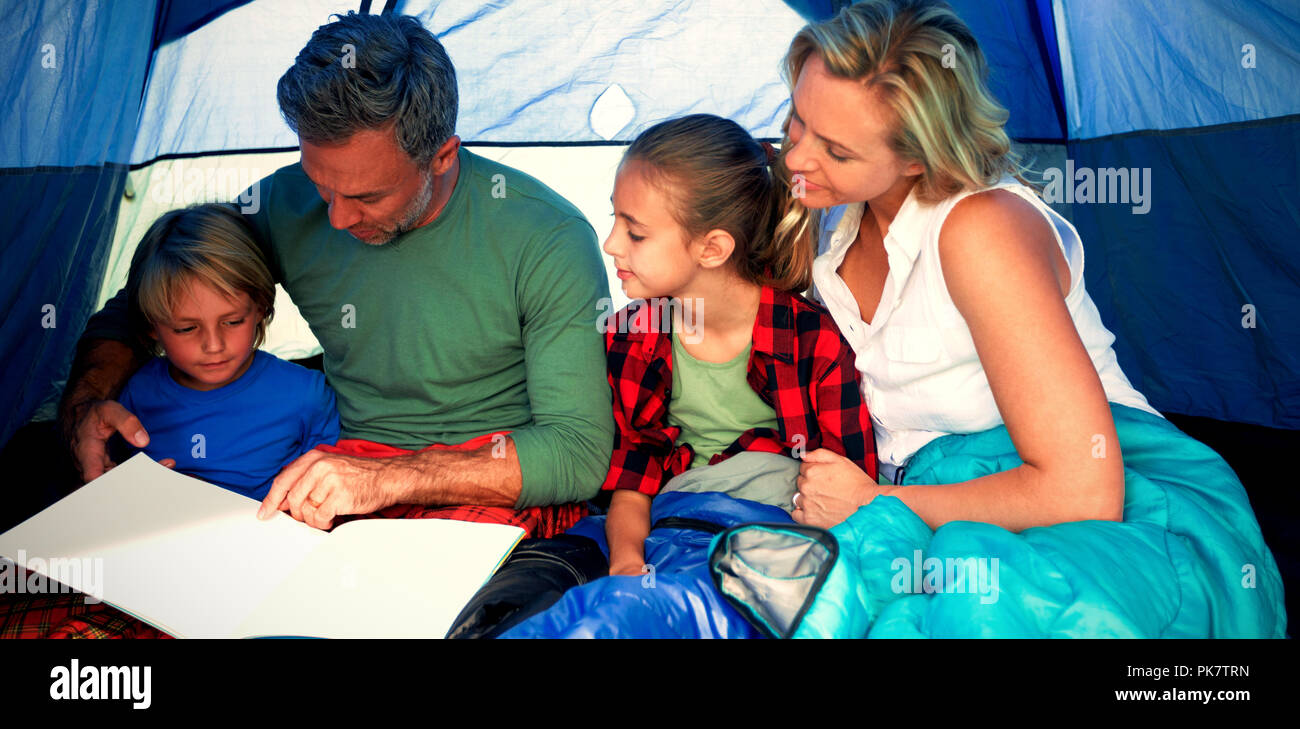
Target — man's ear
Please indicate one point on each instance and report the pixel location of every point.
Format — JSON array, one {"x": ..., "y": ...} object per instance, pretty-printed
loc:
[
  {"x": 445, "y": 157},
  {"x": 716, "y": 248}
]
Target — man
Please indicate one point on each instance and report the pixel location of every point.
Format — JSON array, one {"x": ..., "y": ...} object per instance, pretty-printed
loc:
[{"x": 455, "y": 298}]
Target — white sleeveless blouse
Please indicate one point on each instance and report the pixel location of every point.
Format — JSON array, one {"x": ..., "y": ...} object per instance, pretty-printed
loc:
[{"x": 921, "y": 377}]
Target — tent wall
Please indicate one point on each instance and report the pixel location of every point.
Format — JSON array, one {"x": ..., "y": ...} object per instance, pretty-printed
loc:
[
  {"x": 72, "y": 97},
  {"x": 1201, "y": 283},
  {"x": 529, "y": 72},
  {"x": 1202, "y": 98},
  {"x": 1201, "y": 290}
]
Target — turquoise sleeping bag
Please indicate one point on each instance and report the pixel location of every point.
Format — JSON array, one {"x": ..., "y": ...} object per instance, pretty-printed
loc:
[{"x": 1188, "y": 561}]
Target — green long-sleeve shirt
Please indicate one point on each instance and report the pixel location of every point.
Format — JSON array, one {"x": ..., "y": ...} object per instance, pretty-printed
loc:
[{"x": 483, "y": 320}]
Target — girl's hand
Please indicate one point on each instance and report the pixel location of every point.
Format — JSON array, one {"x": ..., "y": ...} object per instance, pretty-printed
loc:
[
  {"x": 831, "y": 488},
  {"x": 630, "y": 568}
]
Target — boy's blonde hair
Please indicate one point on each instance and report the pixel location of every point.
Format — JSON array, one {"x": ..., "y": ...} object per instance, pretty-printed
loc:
[
  {"x": 926, "y": 67},
  {"x": 210, "y": 243}
]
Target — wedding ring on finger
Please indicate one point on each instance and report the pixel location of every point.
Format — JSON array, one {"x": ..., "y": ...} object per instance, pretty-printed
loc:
[{"x": 794, "y": 500}]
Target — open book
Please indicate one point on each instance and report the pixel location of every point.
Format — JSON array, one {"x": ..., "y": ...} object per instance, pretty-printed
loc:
[{"x": 193, "y": 560}]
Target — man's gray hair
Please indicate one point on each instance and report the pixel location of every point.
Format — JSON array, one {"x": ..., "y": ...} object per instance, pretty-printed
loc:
[{"x": 367, "y": 72}]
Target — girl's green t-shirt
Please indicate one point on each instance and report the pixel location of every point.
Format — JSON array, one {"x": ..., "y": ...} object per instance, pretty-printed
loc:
[{"x": 713, "y": 402}]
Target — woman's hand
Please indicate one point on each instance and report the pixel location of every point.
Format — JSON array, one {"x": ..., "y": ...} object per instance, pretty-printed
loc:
[{"x": 831, "y": 488}]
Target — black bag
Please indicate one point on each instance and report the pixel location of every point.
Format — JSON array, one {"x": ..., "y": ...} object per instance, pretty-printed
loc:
[{"x": 534, "y": 578}]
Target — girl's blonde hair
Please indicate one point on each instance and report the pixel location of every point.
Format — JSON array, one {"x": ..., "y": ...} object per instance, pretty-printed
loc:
[
  {"x": 716, "y": 177},
  {"x": 926, "y": 67},
  {"x": 209, "y": 243}
]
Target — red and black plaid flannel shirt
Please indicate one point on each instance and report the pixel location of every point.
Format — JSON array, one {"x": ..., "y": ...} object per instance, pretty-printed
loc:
[{"x": 799, "y": 365}]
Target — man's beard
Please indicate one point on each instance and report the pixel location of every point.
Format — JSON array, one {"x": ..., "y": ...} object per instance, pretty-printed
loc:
[{"x": 407, "y": 222}]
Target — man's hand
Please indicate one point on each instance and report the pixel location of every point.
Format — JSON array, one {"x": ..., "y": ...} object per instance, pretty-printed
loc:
[
  {"x": 96, "y": 422},
  {"x": 831, "y": 488},
  {"x": 319, "y": 486}
]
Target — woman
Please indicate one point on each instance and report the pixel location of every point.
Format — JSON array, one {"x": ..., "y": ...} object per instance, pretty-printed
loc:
[
  {"x": 961, "y": 291},
  {"x": 995, "y": 396}
]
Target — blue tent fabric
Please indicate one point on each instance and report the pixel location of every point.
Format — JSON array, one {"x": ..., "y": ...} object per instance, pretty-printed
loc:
[
  {"x": 1202, "y": 97},
  {"x": 1207, "y": 106},
  {"x": 72, "y": 95},
  {"x": 179, "y": 18},
  {"x": 528, "y": 72},
  {"x": 1021, "y": 72},
  {"x": 1130, "y": 66},
  {"x": 1201, "y": 290},
  {"x": 72, "y": 106},
  {"x": 1018, "y": 41},
  {"x": 192, "y": 107}
]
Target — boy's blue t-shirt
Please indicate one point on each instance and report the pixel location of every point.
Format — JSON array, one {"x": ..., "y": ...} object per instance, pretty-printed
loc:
[{"x": 238, "y": 436}]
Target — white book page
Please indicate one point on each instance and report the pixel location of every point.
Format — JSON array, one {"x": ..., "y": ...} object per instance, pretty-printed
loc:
[
  {"x": 385, "y": 578},
  {"x": 186, "y": 556}
]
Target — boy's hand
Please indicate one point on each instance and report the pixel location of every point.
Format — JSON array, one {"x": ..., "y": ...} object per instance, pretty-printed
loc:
[{"x": 319, "y": 486}]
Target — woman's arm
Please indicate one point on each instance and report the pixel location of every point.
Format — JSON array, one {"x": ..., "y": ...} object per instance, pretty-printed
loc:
[
  {"x": 1004, "y": 273},
  {"x": 626, "y": 527}
]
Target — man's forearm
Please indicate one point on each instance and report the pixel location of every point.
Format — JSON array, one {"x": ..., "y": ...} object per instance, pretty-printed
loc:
[
  {"x": 487, "y": 476},
  {"x": 99, "y": 372}
]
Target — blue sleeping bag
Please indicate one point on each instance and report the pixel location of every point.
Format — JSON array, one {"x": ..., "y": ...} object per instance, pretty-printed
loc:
[
  {"x": 1187, "y": 561},
  {"x": 677, "y": 599}
]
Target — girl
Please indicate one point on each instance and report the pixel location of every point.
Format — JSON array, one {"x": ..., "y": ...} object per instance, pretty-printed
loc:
[
  {"x": 200, "y": 294},
  {"x": 761, "y": 370}
]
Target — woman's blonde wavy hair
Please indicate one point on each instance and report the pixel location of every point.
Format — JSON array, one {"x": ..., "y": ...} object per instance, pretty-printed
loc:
[{"x": 926, "y": 66}]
